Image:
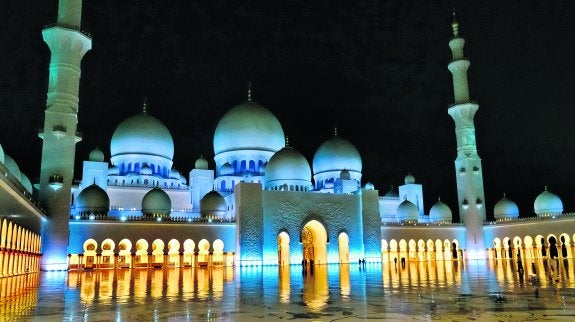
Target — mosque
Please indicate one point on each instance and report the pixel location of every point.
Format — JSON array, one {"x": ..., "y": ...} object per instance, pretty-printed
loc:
[{"x": 263, "y": 204}]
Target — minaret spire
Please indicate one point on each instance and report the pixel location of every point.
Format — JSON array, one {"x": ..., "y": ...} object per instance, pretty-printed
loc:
[
  {"x": 468, "y": 170},
  {"x": 68, "y": 44}
]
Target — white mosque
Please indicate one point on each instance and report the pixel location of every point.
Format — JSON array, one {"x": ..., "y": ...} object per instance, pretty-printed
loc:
[{"x": 263, "y": 204}]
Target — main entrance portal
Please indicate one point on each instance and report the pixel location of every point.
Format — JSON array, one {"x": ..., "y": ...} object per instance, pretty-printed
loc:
[{"x": 314, "y": 243}]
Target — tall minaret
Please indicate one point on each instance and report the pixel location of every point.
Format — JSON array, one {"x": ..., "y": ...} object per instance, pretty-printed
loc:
[
  {"x": 468, "y": 171},
  {"x": 67, "y": 44}
]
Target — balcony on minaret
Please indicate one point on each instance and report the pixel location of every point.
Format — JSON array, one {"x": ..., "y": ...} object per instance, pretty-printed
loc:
[
  {"x": 68, "y": 26},
  {"x": 55, "y": 181},
  {"x": 478, "y": 203},
  {"x": 59, "y": 131},
  {"x": 78, "y": 136}
]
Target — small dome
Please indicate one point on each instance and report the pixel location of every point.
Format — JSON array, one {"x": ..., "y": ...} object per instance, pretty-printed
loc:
[
  {"x": 248, "y": 126},
  {"x": 157, "y": 203},
  {"x": 336, "y": 154},
  {"x": 12, "y": 167},
  {"x": 369, "y": 186},
  {"x": 547, "y": 203},
  {"x": 392, "y": 193},
  {"x": 440, "y": 212},
  {"x": 93, "y": 199},
  {"x": 142, "y": 134},
  {"x": 113, "y": 170},
  {"x": 213, "y": 202},
  {"x": 226, "y": 169},
  {"x": 175, "y": 174},
  {"x": 344, "y": 175},
  {"x": 146, "y": 170},
  {"x": 407, "y": 211},
  {"x": 505, "y": 208},
  {"x": 409, "y": 179},
  {"x": 287, "y": 164},
  {"x": 201, "y": 163},
  {"x": 26, "y": 182},
  {"x": 96, "y": 155}
]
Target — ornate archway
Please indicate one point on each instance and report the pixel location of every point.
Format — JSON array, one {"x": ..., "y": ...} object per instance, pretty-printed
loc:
[{"x": 314, "y": 242}]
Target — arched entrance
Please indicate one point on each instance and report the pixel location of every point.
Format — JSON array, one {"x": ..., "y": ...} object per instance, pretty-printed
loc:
[
  {"x": 314, "y": 240},
  {"x": 283, "y": 248}
]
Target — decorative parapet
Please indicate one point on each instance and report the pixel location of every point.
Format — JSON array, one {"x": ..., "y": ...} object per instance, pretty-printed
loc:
[
  {"x": 557, "y": 216},
  {"x": 415, "y": 224},
  {"x": 92, "y": 217}
]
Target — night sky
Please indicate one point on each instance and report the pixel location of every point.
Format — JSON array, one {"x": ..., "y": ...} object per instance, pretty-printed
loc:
[{"x": 376, "y": 68}]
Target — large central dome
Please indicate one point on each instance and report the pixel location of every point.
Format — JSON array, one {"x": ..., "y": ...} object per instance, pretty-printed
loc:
[
  {"x": 248, "y": 126},
  {"x": 142, "y": 134}
]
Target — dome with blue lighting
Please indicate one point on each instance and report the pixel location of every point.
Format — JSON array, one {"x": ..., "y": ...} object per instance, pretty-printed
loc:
[
  {"x": 407, "y": 211},
  {"x": 142, "y": 134},
  {"x": 213, "y": 203},
  {"x": 201, "y": 163},
  {"x": 505, "y": 209},
  {"x": 156, "y": 203},
  {"x": 287, "y": 167},
  {"x": 547, "y": 203},
  {"x": 93, "y": 200},
  {"x": 96, "y": 155},
  {"x": 226, "y": 169},
  {"x": 409, "y": 179},
  {"x": 336, "y": 154},
  {"x": 440, "y": 212},
  {"x": 248, "y": 126}
]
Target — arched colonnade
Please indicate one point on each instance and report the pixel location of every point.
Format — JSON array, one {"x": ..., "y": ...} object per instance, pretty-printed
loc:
[
  {"x": 20, "y": 249},
  {"x": 142, "y": 254}
]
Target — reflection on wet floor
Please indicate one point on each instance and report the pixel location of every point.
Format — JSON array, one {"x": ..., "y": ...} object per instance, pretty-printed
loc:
[{"x": 490, "y": 289}]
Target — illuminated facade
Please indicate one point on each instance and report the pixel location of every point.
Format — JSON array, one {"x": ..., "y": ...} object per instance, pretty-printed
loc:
[{"x": 262, "y": 204}]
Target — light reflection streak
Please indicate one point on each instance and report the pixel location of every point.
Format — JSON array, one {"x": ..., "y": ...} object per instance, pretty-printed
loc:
[{"x": 417, "y": 286}]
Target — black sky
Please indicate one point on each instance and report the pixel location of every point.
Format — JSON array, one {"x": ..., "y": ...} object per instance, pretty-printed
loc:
[{"x": 376, "y": 68}]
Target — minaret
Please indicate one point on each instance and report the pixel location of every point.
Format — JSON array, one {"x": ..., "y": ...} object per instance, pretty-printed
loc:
[
  {"x": 67, "y": 44},
  {"x": 468, "y": 171}
]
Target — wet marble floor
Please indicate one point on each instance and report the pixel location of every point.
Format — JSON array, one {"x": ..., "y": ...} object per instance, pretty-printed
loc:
[{"x": 443, "y": 291}]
